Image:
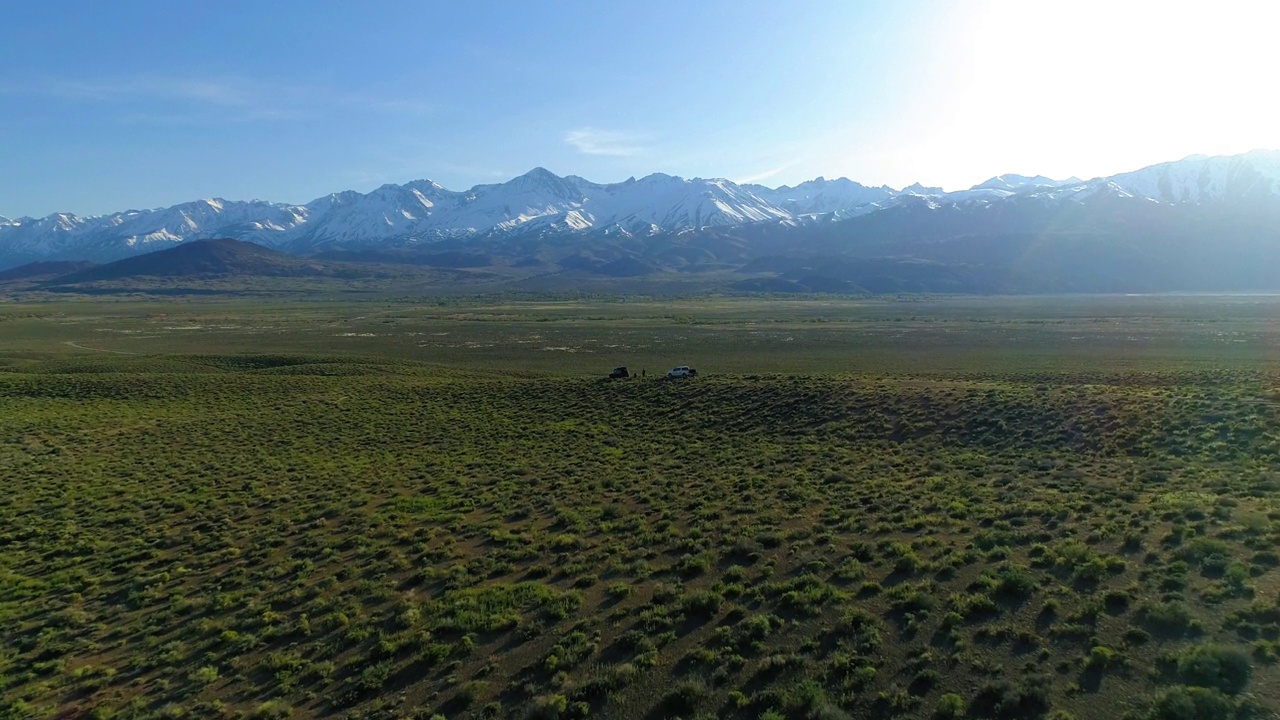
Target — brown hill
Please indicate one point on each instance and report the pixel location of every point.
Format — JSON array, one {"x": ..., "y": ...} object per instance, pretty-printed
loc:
[
  {"x": 43, "y": 270},
  {"x": 211, "y": 258}
]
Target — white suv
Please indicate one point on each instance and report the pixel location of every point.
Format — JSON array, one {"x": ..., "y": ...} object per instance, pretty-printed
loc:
[{"x": 682, "y": 371}]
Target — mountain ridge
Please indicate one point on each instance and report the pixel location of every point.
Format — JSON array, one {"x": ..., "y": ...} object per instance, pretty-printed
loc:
[
  {"x": 1011, "y": 232},
  {"x": 423, "y": 211},
  {"x": 217, "y": 257}
]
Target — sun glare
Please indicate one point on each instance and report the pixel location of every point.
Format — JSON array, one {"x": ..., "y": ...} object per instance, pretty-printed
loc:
[{"x": 1096, "y": 88}]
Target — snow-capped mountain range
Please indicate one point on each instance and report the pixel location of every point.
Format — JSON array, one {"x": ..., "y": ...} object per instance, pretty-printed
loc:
[{"x": 540, "y": 202}]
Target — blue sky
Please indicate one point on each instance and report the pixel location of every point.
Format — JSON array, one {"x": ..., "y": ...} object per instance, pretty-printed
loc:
[{"x": 110, "y": 106}]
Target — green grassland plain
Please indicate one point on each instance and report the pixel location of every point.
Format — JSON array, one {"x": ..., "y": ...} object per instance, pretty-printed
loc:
[{"x": 910, "y": 507}]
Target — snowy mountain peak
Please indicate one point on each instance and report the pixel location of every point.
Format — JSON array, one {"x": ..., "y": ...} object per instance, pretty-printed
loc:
[
  {"x": 542, "y": 173},
  {"x": 346, "y": 197},
  {"x": 1198, "y": 179},
  {"x": 918, "y": 189},
  {"x": 1263, "y": 155},
  {"x": 821, "y": 196},
  {"x": 1081, "y": 192},
  {"x": 427, "y": 187},
  {"x": 538, "y": 181},
  {"x": 539, "y": 177},
  {"x": 1016, "y": 183},
  {"x": 660, "y": 178},
  {"x": 541, "y": 202}
]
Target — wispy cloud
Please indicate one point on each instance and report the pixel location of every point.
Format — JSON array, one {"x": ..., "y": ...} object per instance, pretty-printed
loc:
[
  {"x": 593, "y": 141},
  {"x": 769, "y": 173},
  {"x": 388, "y": 104},
  {"x": 227, "y": 92},
  {"x": 175, "y": 99},
  {"x": 757, "y": 177}
]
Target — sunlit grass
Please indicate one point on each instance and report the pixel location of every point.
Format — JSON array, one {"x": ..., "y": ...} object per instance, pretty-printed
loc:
[{"x": 288, "y": 532}]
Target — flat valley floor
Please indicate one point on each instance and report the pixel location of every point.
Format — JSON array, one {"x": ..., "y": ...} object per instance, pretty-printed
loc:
[{"x": 1063, "y": 507}]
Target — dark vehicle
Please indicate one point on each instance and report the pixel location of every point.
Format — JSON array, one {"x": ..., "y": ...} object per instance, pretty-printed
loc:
[{"x": 619, "y": 372}]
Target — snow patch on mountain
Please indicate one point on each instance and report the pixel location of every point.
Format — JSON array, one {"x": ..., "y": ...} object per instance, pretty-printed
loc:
[
  {"x": 820, "y": 195},
  {"x": 1084, "y": 191},
  {"x": 542, "y": 202},
  {"x": 1017, "y": 183},
  {"x": 159, "y": 236},
  {"x": 1200, "y": 179},
  {"x": 918, "y": 189}
]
